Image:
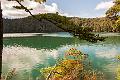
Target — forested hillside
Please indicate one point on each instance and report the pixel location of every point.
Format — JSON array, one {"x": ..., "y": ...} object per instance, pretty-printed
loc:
[
  {"x": 103, "y": 24},
  {"x": 50, "y": 22},
  {"x": 28, "y": 25}
]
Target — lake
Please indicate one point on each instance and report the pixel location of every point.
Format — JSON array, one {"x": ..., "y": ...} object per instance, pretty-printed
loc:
[{"x": 28, "y": 54}]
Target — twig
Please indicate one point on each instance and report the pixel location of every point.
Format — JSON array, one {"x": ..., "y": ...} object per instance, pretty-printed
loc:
[{"x": 27, "y": 10}]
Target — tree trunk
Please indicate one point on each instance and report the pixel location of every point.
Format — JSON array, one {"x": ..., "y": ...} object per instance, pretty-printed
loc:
[{"x": 1, "y": 39}]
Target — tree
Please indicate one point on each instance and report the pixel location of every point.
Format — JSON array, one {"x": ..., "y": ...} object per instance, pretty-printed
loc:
[
  {"x": 72, "y": 67},
  {"x": 114, "y": 11},
  {"x": 114, "y": 14}
]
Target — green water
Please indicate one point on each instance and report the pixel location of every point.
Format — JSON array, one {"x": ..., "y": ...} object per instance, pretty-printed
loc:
[
  {"x": 39, "y": 42},
  {"x": 45, "y": 50}
]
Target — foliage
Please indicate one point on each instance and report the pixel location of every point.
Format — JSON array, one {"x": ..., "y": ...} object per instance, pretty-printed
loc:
[
  {"x": 118, "y": 57},
  {"x": 118, "y": 74},
  {"x": 117, "y": 23},
  {"x": 114, "y": 10},
  {"x": 114, "y": 14},
  {"x": 76, "y": 54},
  {"x": 9, "y": 75},
  {"x": 64, "y": 69},
  {"x": 65, "y": 24},
  {"x": 89, "y": 24},
  {"x": 71, "y": 69},
  {"x": 102, "y": 24}
]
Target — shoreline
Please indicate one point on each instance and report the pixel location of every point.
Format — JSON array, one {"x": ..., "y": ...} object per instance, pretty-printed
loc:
[
  {"x": 21, "y": 34},
  {"x": 5, "y": 35}
]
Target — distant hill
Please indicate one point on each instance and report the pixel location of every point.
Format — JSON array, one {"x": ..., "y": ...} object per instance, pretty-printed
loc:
[
  {"x": 102, "y": 24},
  {"x": 49, "y": 23},
  {"x": 28, "y": 25}
]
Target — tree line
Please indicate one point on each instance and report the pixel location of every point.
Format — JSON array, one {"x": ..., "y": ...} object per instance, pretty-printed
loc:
[{"x": 52, "y": 22}]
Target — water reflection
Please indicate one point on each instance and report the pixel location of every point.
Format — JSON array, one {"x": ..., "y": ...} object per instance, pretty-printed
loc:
[{"x": 29, "y": 54}]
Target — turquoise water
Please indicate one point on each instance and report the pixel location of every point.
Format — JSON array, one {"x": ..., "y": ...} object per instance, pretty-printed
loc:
[{"x": 29, "y": 54}]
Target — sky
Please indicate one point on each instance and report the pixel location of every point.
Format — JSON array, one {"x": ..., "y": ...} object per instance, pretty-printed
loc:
[{"x": 70, "y": 8}]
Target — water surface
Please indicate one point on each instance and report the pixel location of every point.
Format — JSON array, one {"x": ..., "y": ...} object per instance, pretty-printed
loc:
[{"x": 29, "y": 54}]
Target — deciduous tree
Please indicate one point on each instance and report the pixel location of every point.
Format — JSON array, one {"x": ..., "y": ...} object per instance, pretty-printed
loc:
[{"x": 114, "y": 13}]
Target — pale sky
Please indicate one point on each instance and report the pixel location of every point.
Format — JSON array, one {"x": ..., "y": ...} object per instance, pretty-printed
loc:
[{"x": 80, "y": 8}]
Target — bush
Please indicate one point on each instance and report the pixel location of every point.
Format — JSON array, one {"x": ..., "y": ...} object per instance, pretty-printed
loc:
[{"x": 71, "y": 68}]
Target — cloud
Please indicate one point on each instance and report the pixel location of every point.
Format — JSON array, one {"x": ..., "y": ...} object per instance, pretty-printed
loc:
[
  {"x": 24, "y": 58},
  {"x": 53, "y": 8},
  {"x": 104, "y": 5},
  {"x": 10, "y": 12},
  {"x": 67, "y": 14}
]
